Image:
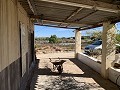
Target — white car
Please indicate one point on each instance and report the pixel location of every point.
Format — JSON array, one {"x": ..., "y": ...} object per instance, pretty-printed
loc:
[{"x": 95, "y": 47}]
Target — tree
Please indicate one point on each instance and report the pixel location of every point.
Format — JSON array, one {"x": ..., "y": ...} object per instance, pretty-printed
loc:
[
  {"x": 47, "y": 38},
  {"x": 53, "y": 39},
  {"x": 95, "y": 35}
]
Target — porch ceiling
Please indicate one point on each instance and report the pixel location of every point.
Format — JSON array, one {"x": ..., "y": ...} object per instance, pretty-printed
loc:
[{"x": 82, "y": 14}]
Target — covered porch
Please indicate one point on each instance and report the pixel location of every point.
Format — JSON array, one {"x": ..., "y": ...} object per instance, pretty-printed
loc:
[
  {"x": 81, "y": 15},
  {"x": 76, "y": 75},
  {"x": 17, "y": 55}
]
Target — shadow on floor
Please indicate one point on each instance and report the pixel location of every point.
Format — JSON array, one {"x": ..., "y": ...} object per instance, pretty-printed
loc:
[
  {"x": 68, "y": 81},
  {"x": 106, "y": 84}
]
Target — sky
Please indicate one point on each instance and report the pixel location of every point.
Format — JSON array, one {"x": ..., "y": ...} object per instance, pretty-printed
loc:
[{"x": 43, "y": 31}]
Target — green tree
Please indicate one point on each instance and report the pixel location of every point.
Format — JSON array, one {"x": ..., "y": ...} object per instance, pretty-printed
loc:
[
  {"x": 47, "y": 38},
  {"x": 37, "y": 38},
  {"x": 95, "y": 35},
  {"x": 53, "y": 39}
]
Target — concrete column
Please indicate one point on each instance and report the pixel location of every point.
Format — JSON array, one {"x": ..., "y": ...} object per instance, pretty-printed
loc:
[
  {"x": 77, "y": 42},
  {"x": 108, "y": 48}
]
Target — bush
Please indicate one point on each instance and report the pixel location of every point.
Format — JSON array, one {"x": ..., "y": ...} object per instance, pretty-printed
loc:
[{"x": 53, "y": 39}]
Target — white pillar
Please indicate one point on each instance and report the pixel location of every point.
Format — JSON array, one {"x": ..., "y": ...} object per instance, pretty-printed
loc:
[
  {"x": 77, "y": 42},
  {"x": 108, "y": 48}
]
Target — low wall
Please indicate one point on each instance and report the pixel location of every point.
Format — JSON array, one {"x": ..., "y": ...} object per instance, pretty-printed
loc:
[
  {"x": 91, "y": 62},
  {"x": 114, "y": 75}
]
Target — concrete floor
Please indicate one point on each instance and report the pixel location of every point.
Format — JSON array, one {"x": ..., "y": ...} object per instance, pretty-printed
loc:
[{"x": 75, "y": 76}]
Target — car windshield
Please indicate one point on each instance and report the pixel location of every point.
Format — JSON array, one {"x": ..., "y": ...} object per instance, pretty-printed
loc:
[{"x": 97, "y": 43}]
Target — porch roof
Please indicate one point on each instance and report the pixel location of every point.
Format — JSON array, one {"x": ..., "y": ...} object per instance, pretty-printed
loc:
[{"x": 76, "y": 14}]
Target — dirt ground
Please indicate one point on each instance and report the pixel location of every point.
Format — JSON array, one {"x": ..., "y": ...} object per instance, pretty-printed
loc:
[
  {"x": 75, "y": 76},
  {"x": 54, "y": 48}
]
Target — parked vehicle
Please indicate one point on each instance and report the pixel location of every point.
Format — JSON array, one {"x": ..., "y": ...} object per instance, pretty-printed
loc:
[{"x": 96, "y": 48}]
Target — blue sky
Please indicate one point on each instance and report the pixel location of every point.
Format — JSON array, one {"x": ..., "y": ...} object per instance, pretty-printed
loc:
[{"x": 43, "y": 31}]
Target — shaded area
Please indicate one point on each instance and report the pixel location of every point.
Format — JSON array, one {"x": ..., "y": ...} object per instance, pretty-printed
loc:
[
  {"x": 87, "y": 79},
  {"x": 67, "y": 83},
  {"x": 106, "y": 84}
]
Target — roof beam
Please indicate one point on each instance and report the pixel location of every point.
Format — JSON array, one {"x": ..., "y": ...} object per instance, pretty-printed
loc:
[
  {"x": 82, "y": 28},
  {"x": 73, "y": 14},
  {"x": 56, "y": 21},
  {"x": 68, "y": 24},
  {"x": 52, "y": 21},
  {"x": 32, "y": 6},
  {"x": 90, "y": 27},
  {"x": 33, "y": 9},
  {"x": 89, "y": 4},
  {"x": 77, "y": 20},
  {"x": 55, "y": 26}
]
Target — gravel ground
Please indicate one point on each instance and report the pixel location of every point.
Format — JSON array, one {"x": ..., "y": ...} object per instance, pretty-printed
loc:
[{"x": 75, "y": 76}]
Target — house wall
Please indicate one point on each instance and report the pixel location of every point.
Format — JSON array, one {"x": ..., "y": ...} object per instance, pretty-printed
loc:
[{"x": 11, "y": 14}]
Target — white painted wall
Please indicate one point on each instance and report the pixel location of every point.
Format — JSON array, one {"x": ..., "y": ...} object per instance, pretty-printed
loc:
[
  {"x": 91, "y": 62},
  {"x": 11, "y": 13},
  {"x": 9, "y": 33},
  {"x": 114, "y": 74}
]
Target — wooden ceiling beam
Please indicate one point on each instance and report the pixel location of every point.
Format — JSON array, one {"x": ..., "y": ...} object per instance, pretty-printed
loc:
[
  {"x": 57, "y": 21},
  {"x": 33, "y": 9},
  {"x": 72, "y": 15},
  {"x": 81, "y": 29},
  {"x": 56, "y": 26},
  {"x": 77, "y": 20},
  {"x": 32, "y": 6},
  {"x": 89, "y": 4},
  {"x": 90, "y": 27}
]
